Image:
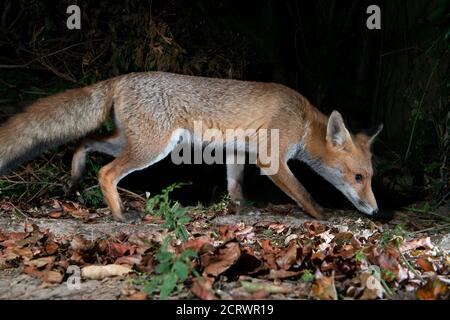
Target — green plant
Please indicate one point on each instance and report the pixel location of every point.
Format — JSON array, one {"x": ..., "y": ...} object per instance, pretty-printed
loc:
[
  {"x": 171, "y": 270},
  {"x": 90, "y": 190},
  {"x": 175, "y": 217},
  {"x": 360, "y": 256},
  {"x": 395, "y": 236},
  {"x": 307, "y": 276}
]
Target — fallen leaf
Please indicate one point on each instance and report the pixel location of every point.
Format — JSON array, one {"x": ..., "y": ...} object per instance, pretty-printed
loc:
[
  {"x": 16, "y": 236},
  {"x": 416, "y": 243},
  {"x": 222, "y": 259},
  {"x": 252, "y": 287},
  {"x": 55, "y": 214},
  {"x": 227, "y": 232},
  {"x": 314, "y": 227},
  {"x": 247, "y": 232},
  {"x": 288, "y": 257},
  {"x": 281, "y": 209},
  {"x": 138, "y": 296},
  {"x": 24, "y": 252},
  {"x": 258, "y": 295},
  {"x": 101, "y": 272},
  {"x": 283, "y": 274},
  {"x": 277, "y": 227},
  {"x": 267, "y": 247},
  {"x": 289, "y": 238},
  {"x": 79, "y": 243},
  {"x": 129, "y": 260},
  {"x": 323, "y": 287},
  {"x": 425, "y": 264},
  {"x": 434, "y": 289},
  {"x": 75, "y": 210},
  {"x": 202, "y": 289},
  {"x": 200, "y": 244},
  {"x": 116, "y": 249},
  {"x": 51, "y": 247},
  {"x": 52, "y": 276},
  {"x": 40, "y": 262}
]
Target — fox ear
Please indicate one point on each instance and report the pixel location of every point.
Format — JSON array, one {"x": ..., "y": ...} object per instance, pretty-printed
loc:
[
  {"x": 373, "y": 133},
  {"x": 337, "y": 134}
]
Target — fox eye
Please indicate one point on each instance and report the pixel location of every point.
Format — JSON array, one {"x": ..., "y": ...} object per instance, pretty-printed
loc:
[{"x": 358, "y": 178}]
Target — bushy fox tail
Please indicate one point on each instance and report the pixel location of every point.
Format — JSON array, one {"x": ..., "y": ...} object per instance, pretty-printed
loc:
[{"x": 52, "y": 121}]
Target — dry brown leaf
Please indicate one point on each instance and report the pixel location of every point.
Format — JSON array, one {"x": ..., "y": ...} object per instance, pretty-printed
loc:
[
  {"x": 227, "y": 232},
  {"x": 202, "y": 289},
  {"x": 221, "y": 260},
  {"x": 79, "y": 243},
  {"x": 314, "y": 227},
  {"x": 116, "y": 249},
  {"x": 51, "y": 247},
  {"x": 267, "y": 247},
  {"x": 323, "y": 287},
  {"x": 200, "y": 244},
  {"x": 416, "y": 243},
  {"x": 23, "y": 252},
  {"x": 101, "y": 272},
  {"x": 434, "y": 289},
  {"x": 246, "y": 232},
  {"x": 277, "y": 227},
  {"x": 76, "y": 211},
  {"x": 283, "y": 274},
  {"x": 52, "y": 276},
  {"x": 269, "y": 287},
  {"x": 425, "y": 264},
  {"x": 55, "y": 214},
  {"x": 32, "y": 271},
  {"x": 288, "y": 257},
  {"x": 138, "y": 296},
  {"x": 40, "y": 262},
  {"x": 16, "y": 236},
  {"x": 129, "y": 260}
]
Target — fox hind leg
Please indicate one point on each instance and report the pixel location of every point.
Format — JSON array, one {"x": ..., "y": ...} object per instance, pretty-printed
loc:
[
  {"x": 131, "y": 159},
  {"x": 235, "y": 177},
  {"x": 111, "y": 145}
]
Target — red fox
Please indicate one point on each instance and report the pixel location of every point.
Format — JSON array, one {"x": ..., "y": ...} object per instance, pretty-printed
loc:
[{"x": 153, "y": 110}]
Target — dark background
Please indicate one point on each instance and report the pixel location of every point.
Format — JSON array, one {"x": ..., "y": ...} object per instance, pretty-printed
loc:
[{"x": 397, "y": 76}]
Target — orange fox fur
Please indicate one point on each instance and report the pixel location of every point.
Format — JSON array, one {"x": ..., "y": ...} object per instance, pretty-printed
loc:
[{"x": 151, "y": 110}]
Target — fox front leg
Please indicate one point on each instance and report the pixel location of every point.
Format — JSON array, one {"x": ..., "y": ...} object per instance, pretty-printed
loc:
[{"x": 287, "y": 182}]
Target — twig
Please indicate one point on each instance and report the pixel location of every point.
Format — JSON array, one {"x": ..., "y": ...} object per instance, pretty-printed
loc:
[
  {"x": 386, "y": 288},
  {"x": 410, "y": 267},
  {"x": 442, "y": 226},
  {"x": 20, "y": 211},
  {"x": 132, "y": 193},
  {"x": 427, "y": 212}
]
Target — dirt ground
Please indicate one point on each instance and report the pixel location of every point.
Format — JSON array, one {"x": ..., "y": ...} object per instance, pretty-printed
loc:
[{"x": 15, "y": 284}]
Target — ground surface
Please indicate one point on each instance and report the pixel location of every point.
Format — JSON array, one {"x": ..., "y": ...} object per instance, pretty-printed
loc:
[{"x": 272, "y": 253}]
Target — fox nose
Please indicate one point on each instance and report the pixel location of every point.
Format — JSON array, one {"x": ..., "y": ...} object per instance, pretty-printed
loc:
[{"x": 382, "y": 214}]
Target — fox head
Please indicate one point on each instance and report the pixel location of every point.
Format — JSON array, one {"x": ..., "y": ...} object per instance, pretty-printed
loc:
[{"x": 346, "y": 163}]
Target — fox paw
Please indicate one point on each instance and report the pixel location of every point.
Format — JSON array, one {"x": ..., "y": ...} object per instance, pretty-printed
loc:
[
  {"x": 69, "y": 188},
  {"x": 131, "y": 217}
]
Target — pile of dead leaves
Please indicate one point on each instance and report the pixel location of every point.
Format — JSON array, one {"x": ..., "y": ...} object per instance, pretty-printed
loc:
[
  {"x": 320, "y": 263},
  {"x": 48, "y": 258},
  {"x": 265, "y": 260}
]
